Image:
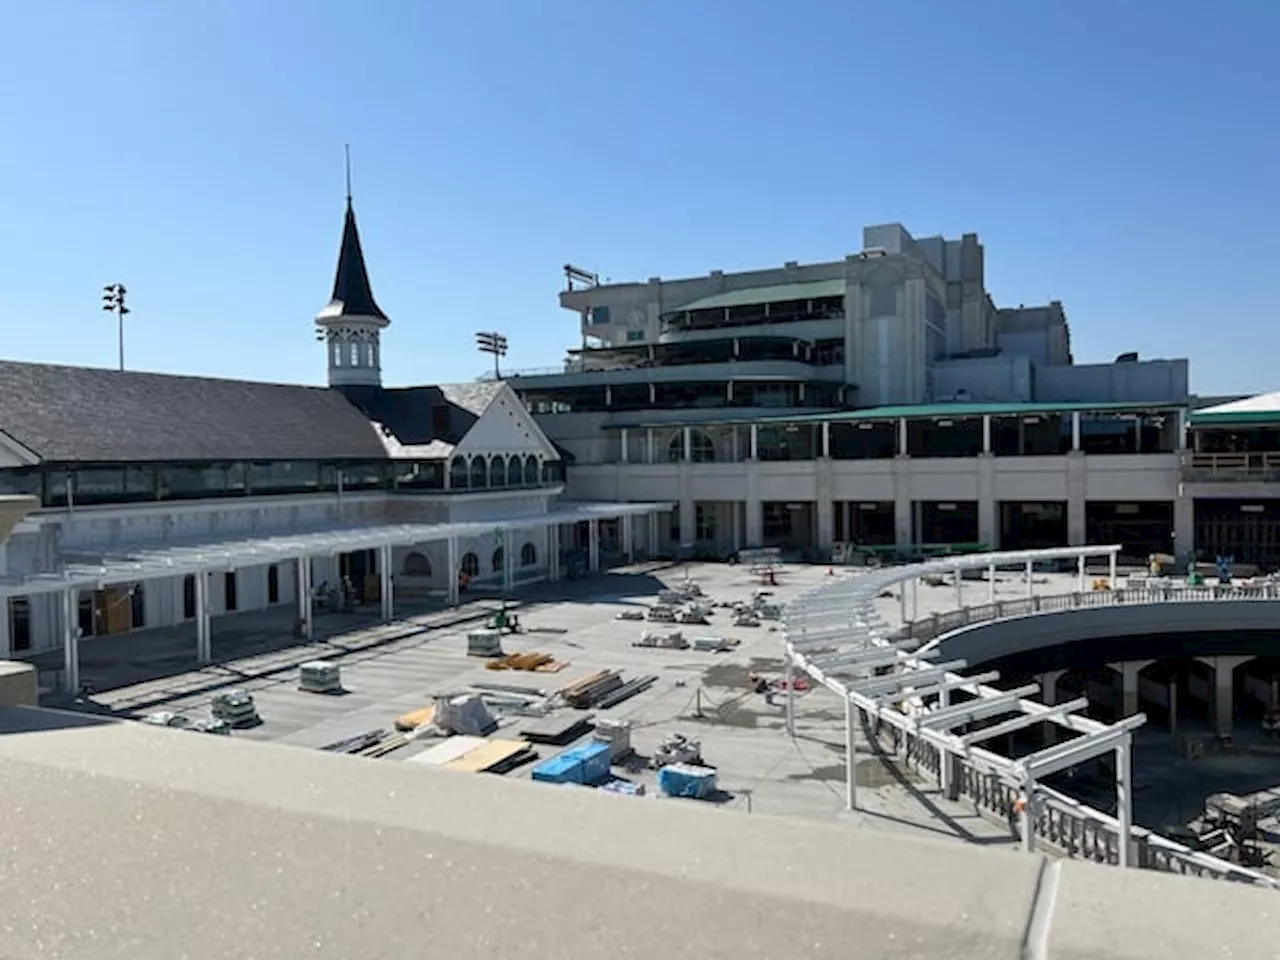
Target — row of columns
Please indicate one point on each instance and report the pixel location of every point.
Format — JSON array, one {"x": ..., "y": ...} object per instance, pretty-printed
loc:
[{"x": 70, "y": 597}]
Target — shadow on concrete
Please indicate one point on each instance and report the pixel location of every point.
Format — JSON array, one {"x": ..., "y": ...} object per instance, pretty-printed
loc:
[{"x": 16, "y": 720}]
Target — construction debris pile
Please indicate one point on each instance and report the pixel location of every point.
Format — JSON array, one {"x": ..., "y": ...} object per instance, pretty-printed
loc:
[
  {"x": 235, "y": 708},
  {"x": 1235, "y": 828},
  {"x": 529, "y": 662},
  {"x": 176, "y": 721}
]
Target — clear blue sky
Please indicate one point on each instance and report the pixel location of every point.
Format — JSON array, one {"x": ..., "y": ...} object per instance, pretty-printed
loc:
[{"x": 1119, "y": 155}]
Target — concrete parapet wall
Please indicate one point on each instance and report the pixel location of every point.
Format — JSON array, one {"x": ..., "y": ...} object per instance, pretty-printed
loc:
[{"x": 657, "y": 876}]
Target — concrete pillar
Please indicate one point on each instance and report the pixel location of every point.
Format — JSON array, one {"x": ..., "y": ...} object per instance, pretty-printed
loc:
[
  {"x": 688, "y": 522},
  {"x": 204, "y": 622},
  {"x": 653, "y": 535},
  {"x": 1111, "y": 570},
  {"x": 622, "y": 440},
  {"x": 826, "y": 439},
  {"x": 1124, "y": 799},
  {"x": 5, "y": 642},
  {"x": 755, "y": 441},
  {"x": 991, "y": 583},
  {"x": 1031, "y": 584},
  {"x": 850, "y": 756},
  {"x": 789, "y": 674},
  {"x": 1224, "y": 673},
  {"x": 986, "y": 433},
  {"x": 1184, "y": 528},
  {"x": 648, "y": 446},
  {"x": 593, "y": 545},
  {"x": 687, "y": 437},
  {"x": 959, "y": 588},
  {"x": 945, "y": 760},
  {"x": 1129, "y": 670},
  {"x": 305, "y": 611},
  {"x": 553, "y": 552},
  {"x": 1049, "y": 686},
  {"x": 70, "y": 623},
  {"x": 451, "y": 565},
  {"x": 508, "y": 561},
  {"x": 1080, "y": 574},
  {"x": 386, "y": 584},
  {"x": 1075, "y": 430},
  {"x": 902, "y": 437},
  {"x": 628, "y": 537}
]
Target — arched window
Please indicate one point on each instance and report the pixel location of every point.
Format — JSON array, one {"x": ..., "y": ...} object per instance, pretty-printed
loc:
[
  {"x": 416, "y": 565},
  {"x": 470, "y": 564},
  {"x": 531, "y": 471},
  {"x": 528, "y": 555},
  {"x": 772, "y": 444},
  {"x": 701, "y": 447},
  {"x": 458, "y": 473},
  {"x": 499, "y": 556},
  {"x": 513, "y": 471},
  {"x": 497, "y": 472},
  {"x": 479, "y": 473}
]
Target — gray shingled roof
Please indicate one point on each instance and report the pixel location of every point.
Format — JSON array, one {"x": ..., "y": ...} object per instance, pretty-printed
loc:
[
  {"x": 92, "y": 415},
  {"x": 473, "y": 397}
]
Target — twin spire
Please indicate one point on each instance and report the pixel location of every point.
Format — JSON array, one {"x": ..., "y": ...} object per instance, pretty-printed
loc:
[{"x": 352, "y": 293}]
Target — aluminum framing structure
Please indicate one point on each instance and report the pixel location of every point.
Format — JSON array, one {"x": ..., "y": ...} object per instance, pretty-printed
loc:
[
  {"x": 834, "y": 634},
  {"x": 143, "y": 562}
]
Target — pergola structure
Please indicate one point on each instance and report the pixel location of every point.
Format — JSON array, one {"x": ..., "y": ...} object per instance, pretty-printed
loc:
[
  {"x": 835, "y": 635},
  {"x": 156, "y": 561}
]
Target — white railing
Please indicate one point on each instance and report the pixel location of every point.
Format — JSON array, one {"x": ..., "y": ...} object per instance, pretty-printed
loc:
[{"x": 839, "y": 619}]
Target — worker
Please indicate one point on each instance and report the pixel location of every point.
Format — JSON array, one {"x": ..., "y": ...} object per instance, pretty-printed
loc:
[{"x": 464, "y": 581}]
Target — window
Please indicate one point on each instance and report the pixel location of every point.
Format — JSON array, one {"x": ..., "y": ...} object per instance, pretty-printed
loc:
[
  {"x": 20, "y": 623},
  {"x": 479, "y": 473},
  {"x": 514, "y": 472},
  {"x": 458, "y": 474},
  {"x": 21, "y": 481},
  {"x": 229, "y": 591},
  {"x": 273, "y": 584},
  {"x": 528, "y": 555},
  {"x": 531, "y": 471},
  {"x": 355, "y": 354},
  {"x": 284, "y": 476},
  {"x": 417, "y": 565},
  {"x": 704, "y": 521},
  {"x": 337, "y": 354},
  {"x": 702, "y": 448},
  {"x": 189, "y": 597},
  {"x": 635, "y": 336},
  {"x": 470, "y": 564},
  {"x": 599, "y": 315},
  {"x": 498, "y": 559},
  {"x": 497, "y": 472}
]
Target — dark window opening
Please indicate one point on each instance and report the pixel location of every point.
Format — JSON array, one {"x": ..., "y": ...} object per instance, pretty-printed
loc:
[
  {"x": 232, "y": 601},
  {"x": 273, "y": 584}
]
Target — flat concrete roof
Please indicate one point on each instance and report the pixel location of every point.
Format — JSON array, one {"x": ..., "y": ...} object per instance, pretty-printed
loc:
[{"x": 128, "y": 841}]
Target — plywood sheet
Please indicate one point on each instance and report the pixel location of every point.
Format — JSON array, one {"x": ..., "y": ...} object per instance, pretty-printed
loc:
[
  {"x": 416, "y": 718},
  {"x": 451, "y": 749},
  {"x": 488, "y": 754}
]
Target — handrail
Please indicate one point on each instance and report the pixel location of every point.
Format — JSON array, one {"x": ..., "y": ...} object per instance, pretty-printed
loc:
[{"x": 846, "y": 606}]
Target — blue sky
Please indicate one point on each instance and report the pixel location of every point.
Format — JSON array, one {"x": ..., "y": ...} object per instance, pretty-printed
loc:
[{"x": 1119, "y": 155}]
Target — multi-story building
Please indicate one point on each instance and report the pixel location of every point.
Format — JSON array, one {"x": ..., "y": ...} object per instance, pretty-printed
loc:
[
  {"x": 885, "y": 400},
  {"x": 162, "y": 500}
]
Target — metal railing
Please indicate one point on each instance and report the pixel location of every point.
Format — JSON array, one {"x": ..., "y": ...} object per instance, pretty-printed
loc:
[
  {"x": 1230, "y": 467},
  {"x": 1154, "y": 591}
]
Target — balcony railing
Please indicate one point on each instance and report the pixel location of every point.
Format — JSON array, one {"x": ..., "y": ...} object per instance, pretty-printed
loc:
[{"x": 1231, "y": 467}]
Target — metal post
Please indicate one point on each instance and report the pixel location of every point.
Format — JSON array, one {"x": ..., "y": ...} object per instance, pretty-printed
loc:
[
  {"x": 944, "y": 756},
  {"x": 451, "y": 565},
  {"x": 850, "y": 757},
  {"x": 1029, "y": 817},
  {"x": 386, "y": 585},
  {"x": 629, "y": 538},
  {"x": 789, "y": 672},
  {"x": 553, "y": 552},
  {"x": 204, "y": 640},
  {"x": 71, "y": 640},
  {"x": 305, "y": 612},
  {"x": 991, "y": 583},
  {"x": 902, "y": 601},
  {"x": 593, "y": 545},
  {"x": 1031, "y": 590},
  {"x": 1124, "y": 798},
  {"x": 1080, "y": 574},
  {"x": 1111, "y": 570},
  {"x": 915, "y": 599}
]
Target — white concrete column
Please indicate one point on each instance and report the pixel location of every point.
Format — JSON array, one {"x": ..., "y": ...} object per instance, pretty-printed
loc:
[
  {"x": 959, "y": 589},
  {"x": 902, "y": 436},
  {"x": 622, "y": 439},
  {"x": 648, "y": 446},
  {"x": 1129, "y": 671},
  {"x": 70, "y": 617},
  {"x": 826, "y": 439},
  {"x": 1075, "y": 430},
  {"x": 1224, "y": 674},
  {"x": 628, "y": 538},
  {"x": 915, "y": 599},
  {"x": 850, "y": 757},
  {"x": 1049, "y": 686},
  {"x": 902, "y": 601},
  {"x": 945, "y": 760},
  {"x": 986, "y": 433},
  {"x": 204, "y": 622},
  {"x": 688, "y": 444},
  {"x": 1029, "y": 816},
  {"x": 653, "y": 535},
  {"x": 1031, "y": 589},
  {"x": 1111, "y": 570},
  {"x": 593, "y": 545},
  {"x": 553, "y": 552},
  {"x": 1124, "y": 799},
  {"x": 755, "y": 441},
  {"x": 1080, "y": 574},
  {"x": 991, "y": 583},
  {"x": 508, "y": 561},
  {"x": 305, "y": 613},
  {"x": 386, "y": 584},
  {"x": 451, "y": 563},
  {"x": 789, "y": 673}
]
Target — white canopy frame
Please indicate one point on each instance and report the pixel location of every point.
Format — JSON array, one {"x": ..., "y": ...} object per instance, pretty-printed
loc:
[
  {"x": 151, "y": 561},
  {"x": 835, "y": 629}
]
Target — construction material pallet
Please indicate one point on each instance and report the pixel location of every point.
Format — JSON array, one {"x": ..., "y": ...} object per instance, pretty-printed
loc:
[
  {"x": 493, "y": 756},
  {"x": 558, "y": 730},
  {"x": 527, "y": 662}
]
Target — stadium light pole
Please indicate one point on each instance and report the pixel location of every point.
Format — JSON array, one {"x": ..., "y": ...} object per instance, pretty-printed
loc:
[
  {"x": 113, "y": 302},
  {"x": 494, "y": 343}
]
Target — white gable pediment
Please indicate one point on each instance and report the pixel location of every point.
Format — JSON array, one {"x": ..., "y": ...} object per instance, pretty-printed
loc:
[
  {"x": 14, "y": 454},
  {"x": 507, "y": 427}
]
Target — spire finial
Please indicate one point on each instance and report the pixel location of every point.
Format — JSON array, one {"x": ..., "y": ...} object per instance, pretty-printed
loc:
[{"x": 347, "y": 148}]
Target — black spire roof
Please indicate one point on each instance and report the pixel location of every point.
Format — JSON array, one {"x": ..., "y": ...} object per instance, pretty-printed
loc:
[{"x": 352, "y": 294}]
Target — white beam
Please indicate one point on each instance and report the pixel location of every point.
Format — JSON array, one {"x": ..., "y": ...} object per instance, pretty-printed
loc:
[
  {"x": 961, "y": 713},
  {"x": 1065, "y": 755},
  {"x": 967, "y": 683},
  {"x": 1014, "y": 724},
  {"x": 896, "y": 681}
]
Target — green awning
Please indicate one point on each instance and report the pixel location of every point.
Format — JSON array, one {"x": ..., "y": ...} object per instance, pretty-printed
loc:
[
  {"x": 1235, "y": 418},
  {"x": 783, "y": 293}
]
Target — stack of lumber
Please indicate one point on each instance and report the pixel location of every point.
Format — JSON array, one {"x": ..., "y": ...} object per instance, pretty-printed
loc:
[
  {"x": 374, "y": 743},
  {"x": 586, "y": 691},
  {"x": 531, "y": 662}
]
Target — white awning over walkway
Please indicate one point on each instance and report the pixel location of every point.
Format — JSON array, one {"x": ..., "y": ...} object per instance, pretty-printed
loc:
[{"x": 149, "y": 561}]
